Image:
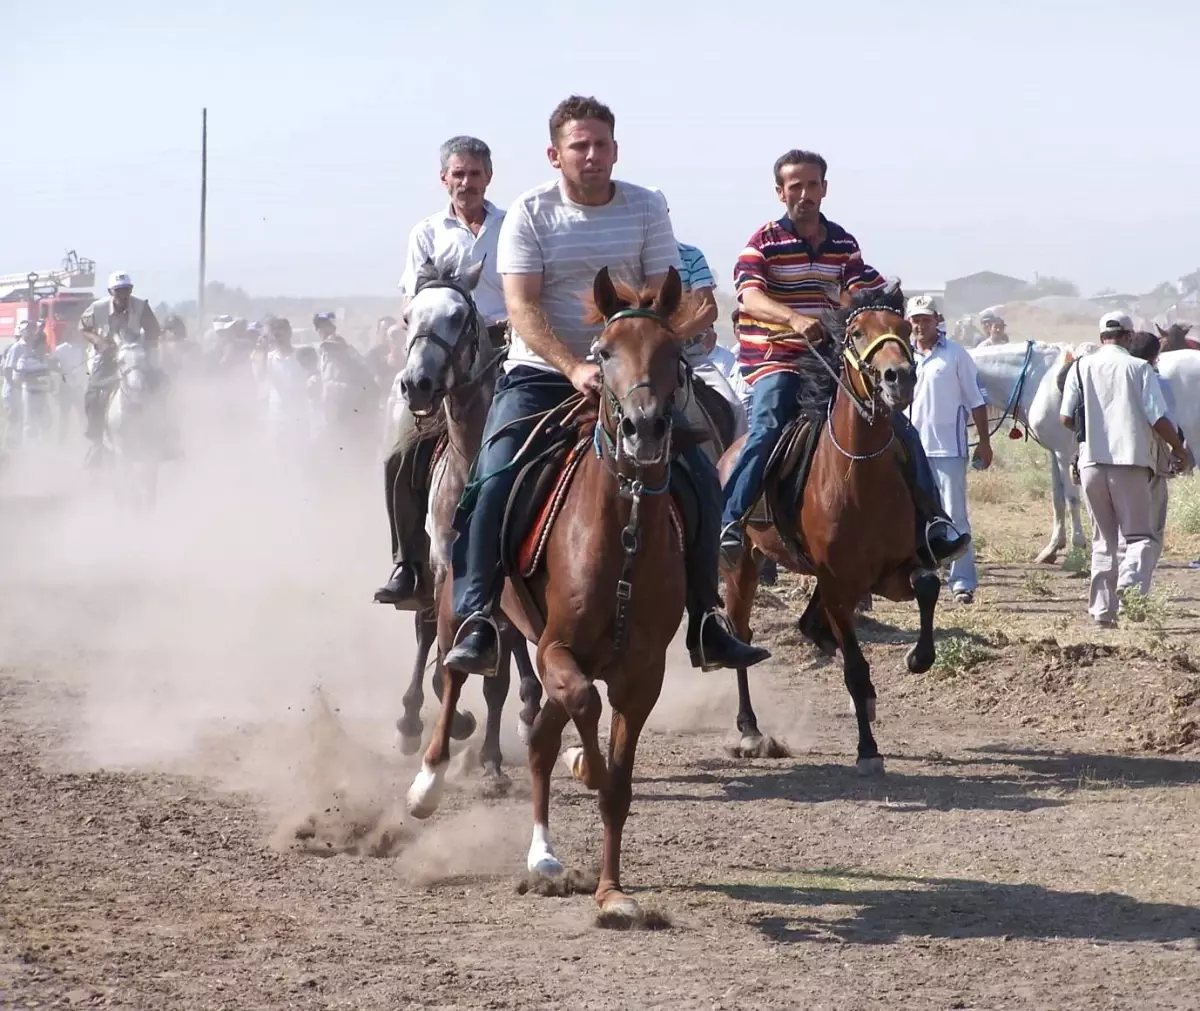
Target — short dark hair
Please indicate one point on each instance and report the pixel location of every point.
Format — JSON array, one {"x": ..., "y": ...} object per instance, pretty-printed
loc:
[
  {"x": 578, "y": 107},
  {"x": 797, "y": 156},
  {"x": 1143, "y": 345}
]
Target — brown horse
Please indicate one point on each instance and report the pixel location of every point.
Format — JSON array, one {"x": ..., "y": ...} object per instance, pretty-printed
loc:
[
  {"x": 610, "y": 595},
  {"x": 1175, "y": 337},
  {"x": 856, "y": 521}
]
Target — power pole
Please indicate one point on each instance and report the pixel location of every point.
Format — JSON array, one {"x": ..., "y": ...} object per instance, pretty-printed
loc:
[{"x": 203, "y": 219}]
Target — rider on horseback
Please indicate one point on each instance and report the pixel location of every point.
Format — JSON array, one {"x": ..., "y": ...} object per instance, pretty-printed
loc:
[
  {"x": 554, "y": 240},
  {"x": 792, "y": 271},
  {"x": 460, "y": 236},
  {"x": 104, "y": 322}
]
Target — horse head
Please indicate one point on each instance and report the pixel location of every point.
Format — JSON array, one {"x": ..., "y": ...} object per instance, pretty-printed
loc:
[
  {"x": 640, "y": 358},
  {"x": 134, "y": 369},
  {"x": 444, "y": 330},
  {"x": 1174, "y": 337},
  {"x": 876, "y": 344}
]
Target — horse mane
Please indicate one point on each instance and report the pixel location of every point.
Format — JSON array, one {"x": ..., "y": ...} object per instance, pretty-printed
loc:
[
  {"x": 817, "y": 386},
  {"x": 642, "y": 298}
]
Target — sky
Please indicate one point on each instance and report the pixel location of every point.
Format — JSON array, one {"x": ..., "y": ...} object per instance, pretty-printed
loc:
[{"x": 1031, "y": 136}]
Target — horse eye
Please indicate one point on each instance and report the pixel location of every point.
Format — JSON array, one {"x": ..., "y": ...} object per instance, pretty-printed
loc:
[{"x": 603, "y": 354}]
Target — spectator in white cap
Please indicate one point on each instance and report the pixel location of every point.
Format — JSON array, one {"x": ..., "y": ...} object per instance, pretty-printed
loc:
[
  {"x": 994, "y": 328},
  {"x": 947, "y": 394},
  {"x": 1115, "y": 405},
  {"x": 103, "y": 323}
]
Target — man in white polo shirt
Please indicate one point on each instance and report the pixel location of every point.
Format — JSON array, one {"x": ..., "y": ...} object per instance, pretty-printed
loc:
[
  {"x": 556, "y": 238},
  {"x": 1114, "y": 404},
  {"x": 457, "y": 237},
  {"x": 947, "y": 394}
]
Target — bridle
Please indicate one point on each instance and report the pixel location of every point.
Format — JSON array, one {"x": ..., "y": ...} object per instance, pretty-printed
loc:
[
  {"x": 631, "y": 487},
  {"x": 861, "y": 362},
  {"x": 460, "y": 368}
]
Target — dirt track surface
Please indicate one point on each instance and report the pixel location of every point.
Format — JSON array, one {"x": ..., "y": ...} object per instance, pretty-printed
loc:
[{"x": 168, "y": 777}]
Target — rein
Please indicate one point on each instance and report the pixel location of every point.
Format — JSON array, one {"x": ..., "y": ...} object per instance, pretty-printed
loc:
[
  {"x": 1014, "y": 398},
  {"x": 631, "y": 488}
]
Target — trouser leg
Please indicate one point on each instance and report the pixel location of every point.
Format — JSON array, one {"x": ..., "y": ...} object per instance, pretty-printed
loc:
[{"x": 1102, "y": 593}]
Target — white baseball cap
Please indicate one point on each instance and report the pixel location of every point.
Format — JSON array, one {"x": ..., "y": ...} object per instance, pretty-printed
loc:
[
  {"x": 990, "y": 316},
  {"x": 921, "y": 305},
  {"x": 1114, "y": 321},
  {"x": 119, "y": 279}
]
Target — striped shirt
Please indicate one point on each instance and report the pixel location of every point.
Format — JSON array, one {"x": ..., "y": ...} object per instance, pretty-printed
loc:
[
  {"x": 777, "y": 262},
  {"x": 568, "y": 243},
  {"x": 694, "y": 271}
]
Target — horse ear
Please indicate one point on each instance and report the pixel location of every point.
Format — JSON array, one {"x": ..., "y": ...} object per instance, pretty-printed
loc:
[
  {"x": 1161, "y": 332},
  {"x": 604, "y": 294},
  {"x": 474, "y": 273},
  {"x": 426, "y": 273},
  {"x": 670, "y": 295}
]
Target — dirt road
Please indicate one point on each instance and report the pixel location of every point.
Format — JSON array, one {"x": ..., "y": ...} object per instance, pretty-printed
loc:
[{"x": 169, "y": 774}]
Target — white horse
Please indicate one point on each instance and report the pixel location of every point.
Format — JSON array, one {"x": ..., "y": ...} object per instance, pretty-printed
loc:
[
  {"x": 134, "y": 426},
  {"x": 1181, "y": 370},
  {"x": 1021, "y": 380}
]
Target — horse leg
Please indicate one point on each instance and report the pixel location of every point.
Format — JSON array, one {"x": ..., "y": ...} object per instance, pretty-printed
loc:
[
  {"x": 545, "y": 740},
  {"x": 630, "y": 708},
  {"x": 567, "y": 685},
  {"x": 1058, "y": 496},
  {"x": 409, "y": 726},
  {"x": 857, "y": 673},
  {"x": 495, "y": 691},
  {"x": 463, "y": 724},
  {"x": 529, "y": 687},
  {"x": 1078, "y": 540},
  {"x": 425, "y": 794},
  {"x": 927, "y": 586}
]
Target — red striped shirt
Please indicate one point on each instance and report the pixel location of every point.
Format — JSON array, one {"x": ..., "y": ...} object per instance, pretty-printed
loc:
[{"x": 779, "y": 263}]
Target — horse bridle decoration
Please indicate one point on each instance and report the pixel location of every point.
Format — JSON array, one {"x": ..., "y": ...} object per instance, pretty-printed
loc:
[{"x": 862, "y": 362}]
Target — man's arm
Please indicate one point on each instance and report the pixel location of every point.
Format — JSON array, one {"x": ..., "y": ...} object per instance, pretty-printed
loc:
[
  {"x": 523, "y": 299},
  {"x": 1072, "y": 392},
  {"x": 415, "y": 255},
  {"x": 750, "y": 285},
  {"x": 1155, "y": 406},
  {"x": 975, "y": 402},
  {"x": 151, "y": 330},
  {"x": 705, "y": 316}
]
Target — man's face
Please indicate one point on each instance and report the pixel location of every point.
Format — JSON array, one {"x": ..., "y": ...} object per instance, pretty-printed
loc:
[
  {"x": 926, "y": 327},
  {"x": 585, "y": 152},
  {"x": 466, "y": 180},
  {"x": 801, "y": 189},
  {"x": 120, "y": 296},
  {"x": 995, "y": 330}
]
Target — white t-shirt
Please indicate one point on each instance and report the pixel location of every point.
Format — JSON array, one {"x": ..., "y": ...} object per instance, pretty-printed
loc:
[
  {"x": 446, "y": 241},
  {"x": 568, "y": 243},
  {"x": 1121, "y": 402},
  {"x": 947, "y": 392}
]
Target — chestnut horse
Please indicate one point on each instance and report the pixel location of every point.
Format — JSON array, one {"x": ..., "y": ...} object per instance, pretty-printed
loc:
[
  {"x": 856, "y": 519},
  {"x": 610, "y": 593}
]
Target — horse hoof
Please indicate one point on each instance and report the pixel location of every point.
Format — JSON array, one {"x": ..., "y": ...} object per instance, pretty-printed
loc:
[
  {"x": 869, "y": 766},
  {"x": 619, "y": 912},
  {"x": 919, "y": 661},
  {"x": 407, "y": 745},
  {"x": 463, "y": 725},
  {"x": 758, "y": 746},
  {"x": 425, "y": 794},
  {"x": 542, "y": 861},
  {"x": 495, "y": 784},
  {"x": 573, "y": 759},
  {"x": 1047, "y": 556},
  {"x": 524, "y": 732}
]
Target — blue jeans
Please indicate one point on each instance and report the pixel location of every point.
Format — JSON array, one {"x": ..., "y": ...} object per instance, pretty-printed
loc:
[
  {"x": 773, "y": 406},
  {"x": 475, "y": 555}
]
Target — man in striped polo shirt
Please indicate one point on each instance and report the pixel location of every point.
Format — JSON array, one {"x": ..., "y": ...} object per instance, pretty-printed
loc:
[
  {"x": 791, "y": 272},
  {"x": 554, "y": 240}
]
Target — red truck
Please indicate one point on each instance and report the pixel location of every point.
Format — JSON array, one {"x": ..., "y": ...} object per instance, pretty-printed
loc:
[{"x": 58, "y": 297}]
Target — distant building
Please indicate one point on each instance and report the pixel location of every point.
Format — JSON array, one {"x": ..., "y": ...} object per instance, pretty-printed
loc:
[{"x": 976, "y": 292}]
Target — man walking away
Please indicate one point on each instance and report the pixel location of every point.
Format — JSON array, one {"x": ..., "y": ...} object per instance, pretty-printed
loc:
[
  {"x": 947, "y": 393},
  {"x": 1115, "y": 404}
]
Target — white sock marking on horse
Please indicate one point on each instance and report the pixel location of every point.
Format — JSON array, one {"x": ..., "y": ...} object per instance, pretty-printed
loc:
[
  {"x": 541, "y": 858},
  {"x": 425, "y": 794}
]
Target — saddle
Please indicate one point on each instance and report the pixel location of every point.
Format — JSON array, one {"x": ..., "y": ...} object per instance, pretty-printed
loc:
[
  {"x": 785, "y": 479},
  {"x": 717, "y": 410}
]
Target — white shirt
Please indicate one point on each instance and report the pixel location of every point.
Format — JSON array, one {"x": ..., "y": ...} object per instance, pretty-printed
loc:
[
  {"x": 1122, "y": 400},
  {"x": 567, "y": 243},
  {"x": 947, "y": 392},
  {"x": 72, "y": 356},
  {"x": 449, "y": 243}
]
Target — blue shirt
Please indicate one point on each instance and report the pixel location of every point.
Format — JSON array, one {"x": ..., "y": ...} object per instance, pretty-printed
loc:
[{"x": 694, "y": 273}]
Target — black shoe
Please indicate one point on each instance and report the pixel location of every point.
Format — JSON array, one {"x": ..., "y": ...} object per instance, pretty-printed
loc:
[
  {"x": 768, "y": 574},
  {"x": 947, "y": 549},
  {"x": 719, "y": 648},
  {"x": 401, "y": 589},
  {"x": 476, "y": 650},
  {"x": 733, "y": 544}
]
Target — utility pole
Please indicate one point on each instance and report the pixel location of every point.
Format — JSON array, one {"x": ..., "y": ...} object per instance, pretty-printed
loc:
[{"x": 203, "y": 218}]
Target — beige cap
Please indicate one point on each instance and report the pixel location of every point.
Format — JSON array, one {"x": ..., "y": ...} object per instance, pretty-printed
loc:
[{"x": 921, "y": 305}]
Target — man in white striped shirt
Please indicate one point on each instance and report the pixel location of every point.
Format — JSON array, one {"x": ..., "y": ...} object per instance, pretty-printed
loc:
[{"x": 554, "y": 240}]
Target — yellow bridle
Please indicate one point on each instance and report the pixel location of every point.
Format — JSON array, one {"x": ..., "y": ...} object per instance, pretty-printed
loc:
[{"x": 856, "y": 361}]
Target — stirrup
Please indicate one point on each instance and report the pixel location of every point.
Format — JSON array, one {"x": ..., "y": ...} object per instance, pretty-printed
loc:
[
  {"x": 722, "y": 619},
  {"x": 467, "y": 622},
  {"x": 953, "y": 531}
]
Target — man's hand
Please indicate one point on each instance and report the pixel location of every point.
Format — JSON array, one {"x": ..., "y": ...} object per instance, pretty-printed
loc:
[
  {"x": 585, "y": 377},
  {"x": 1183, "y": 459},
  {"x": 808, "y": 327},
  {"x": 983, "y": 453}
]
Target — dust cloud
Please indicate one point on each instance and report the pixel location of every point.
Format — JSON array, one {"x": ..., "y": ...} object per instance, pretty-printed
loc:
[{"x": 230, "y": 634}]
